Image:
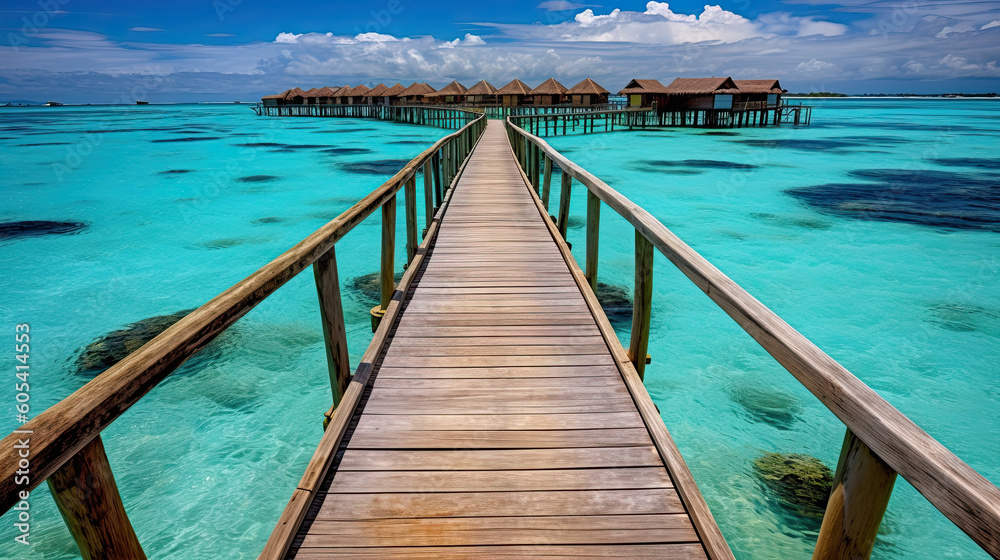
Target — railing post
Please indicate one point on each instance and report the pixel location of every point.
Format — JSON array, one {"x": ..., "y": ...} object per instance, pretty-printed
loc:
[
  {"x": 642, "y": 303},
  {"x": 85, "y": 491},
  {"x": 331, "y": 309},
  {"x": 410, "y": 204},
  {"x": 546, "y": 180},
  {"x": 428, "y": 194},
  {"x": 564, "y": 196},
  {"x": 593, "y": 237},
  {"x": 438, "y": 179},
  {"x": 387, "y": 272},
  {"x": 860, "y": 495}
]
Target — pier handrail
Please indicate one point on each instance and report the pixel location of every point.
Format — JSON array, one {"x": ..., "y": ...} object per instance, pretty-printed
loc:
[
  {"x": 880, "y": 441},
  {"x": 65, "y": 443}
]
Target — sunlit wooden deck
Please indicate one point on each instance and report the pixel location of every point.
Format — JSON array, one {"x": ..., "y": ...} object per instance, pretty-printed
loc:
[{"x": 498, "y": 424}]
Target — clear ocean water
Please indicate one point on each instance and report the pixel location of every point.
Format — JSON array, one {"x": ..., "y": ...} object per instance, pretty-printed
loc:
[{"x": 875, "y": 232}]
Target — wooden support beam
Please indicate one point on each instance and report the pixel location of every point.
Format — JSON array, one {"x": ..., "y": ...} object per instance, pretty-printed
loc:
[
  {"x": 387, "y": 271},
  {"x": 861, "y": 491},
  {"x": 546, "y": 181},
  {"x": 428, "y": 194},
  {"x": 593, "y": 237},
  {"x": 410, "y": 208},
  {"x": 642, "y": 303},
  {"x": 87, "y": 497},
  {"x": 331, "y": 310},
  {"x": 564, "y": 196}
]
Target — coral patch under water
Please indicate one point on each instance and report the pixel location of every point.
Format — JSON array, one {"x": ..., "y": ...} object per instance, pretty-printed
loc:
[
  {"x": 36, "y": 228},
  {"x": 374, "y": 167},
  {"x": 801, "y": 482}
]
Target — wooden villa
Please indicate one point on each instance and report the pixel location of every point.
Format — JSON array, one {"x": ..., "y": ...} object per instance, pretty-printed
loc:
[
  {"x": 550, "y": 92},
  {"x": 451, "y": 93},
  {"x": 700, "y": 93},
  {"x": 415, "y": 94},
  {"x": 483, "y": 93},
  {"x": 375, "y": 94},
  {"x": 587, "y": 93},
  {"x": 644, "y": 93},
  {"x": 514, "y": 94},
  {"x": 758, "y": 93},
  {"x": 385, "y": 97}
]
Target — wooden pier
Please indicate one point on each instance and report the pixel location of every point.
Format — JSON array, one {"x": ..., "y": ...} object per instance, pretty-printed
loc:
[{"x": 495, "y": 414}]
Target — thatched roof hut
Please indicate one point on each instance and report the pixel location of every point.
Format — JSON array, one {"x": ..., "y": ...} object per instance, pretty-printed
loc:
[
  {"x": 588, "y": 92},
  {"x": 295, "y": 96},
  {"x": 415, "y": 93},
  {"x": 394, "y": 90},
  {"x": 482, "y": 93},
  {"x": 312, "y": 96},
  {"x": 549, "y": 92},
  {"x": 514, "y": 93},
  {"x": 377, "y": 91},
  {"x": 759, "y": 86},
  {"x": 325, "y": 94},
  {"x": 451, "y": 93},
  {"x": 643, "y": 93},
  {"x": 701, "y": 93},
  {"x": 759, "y": 93}
]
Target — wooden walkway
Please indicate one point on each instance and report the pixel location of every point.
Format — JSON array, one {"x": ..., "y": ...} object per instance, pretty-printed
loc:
[{"x": 498, "y": 424}]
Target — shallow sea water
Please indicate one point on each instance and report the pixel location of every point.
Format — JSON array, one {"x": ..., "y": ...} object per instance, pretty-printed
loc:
[
  {"x": 181, "y": 202},
  {"x": 874, "y": 232}
]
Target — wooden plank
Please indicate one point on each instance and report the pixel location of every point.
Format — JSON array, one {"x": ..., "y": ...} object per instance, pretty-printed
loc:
[
  {"x": 496, "y": 361},
  {"x": 535, "y": 552},
  {"x": 493, "y": 504},
  {"x": 422, "y": 482},
  {"x": 377, "y": 438},
  {"x": 497, "y": 384},
  {"x": 508, "y": 459},
  {"x": 570, "y": 372},
  {"x": 472, "y": 422},
  {"x": 465, "y": 531}
]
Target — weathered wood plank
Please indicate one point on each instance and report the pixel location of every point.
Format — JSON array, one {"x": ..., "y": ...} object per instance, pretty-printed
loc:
[
  {"x": 508, "y": 459},
  {"x": 535, "y": 552}
]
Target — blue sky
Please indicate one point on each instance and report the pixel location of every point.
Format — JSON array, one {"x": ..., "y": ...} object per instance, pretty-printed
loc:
[{"x": 213, "y": 50}]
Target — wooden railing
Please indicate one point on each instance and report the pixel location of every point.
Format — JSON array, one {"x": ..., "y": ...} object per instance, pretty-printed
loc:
[
  {"x": 880, "y": 442},
  {"x": 426, "y": 115},
  {"x": 65, "y": 442},
  {"x": 586, "y": 122}
]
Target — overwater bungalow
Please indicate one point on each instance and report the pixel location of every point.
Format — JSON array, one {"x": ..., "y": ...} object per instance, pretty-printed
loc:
[
  {"x": 325, "y": 94},
  {"x": 758, "y": 93},
  {"x": 514, "y": 94},
  {"x": 273, "y": 100},
  {"x": 312, "y": 96},
  {"x": 700, "y": 93},
  {"x": 415, "y": 94},
  {"x": 483, "y": 93},
  {"x": 586, "y": 93},
  {"x": 550, "y": 92},
  {"x": 294, "y": 96},
  {"x": 451, "y": 93},
  {"x": 375, "y": 94},
  {"x": 644, "y": 93},
  {"x": 390, "y": 94}
]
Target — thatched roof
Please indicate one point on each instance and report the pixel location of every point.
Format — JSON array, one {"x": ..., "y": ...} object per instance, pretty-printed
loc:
[
  {"x": 326, "y": 92},
  {"x": 275, "y": 96},
  {"x": 453, "y": 88},
  {"x": 517, "y": 87},
  {"x": 587, "y": 87},
  {"x": 759, "y": 86},
  {"x": 418, "y": 89},
  {"x": 549, "y": 87},
  {"x": 294, "y": 92},
  {"x": 314, "y": 92},
  {"x": 377, "y": 91},
  {"x": 637, "y": 87},
  {"x": 360, "y": 90},
  {"x": 701, "y": 86},
  {"x": 344, "y": 91},
  {"x": 394, "y": 90},
  {"x": 482, "y": 87}
]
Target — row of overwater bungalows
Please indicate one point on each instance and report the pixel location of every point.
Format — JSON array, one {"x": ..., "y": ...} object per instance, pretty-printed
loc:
[{"x": 682, "y": 93}]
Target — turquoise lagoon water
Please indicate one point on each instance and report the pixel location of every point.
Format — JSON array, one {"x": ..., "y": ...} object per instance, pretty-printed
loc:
[
  {"x": 180, "y": 203},
  {"x": 876, "y": 233},
  {"x": 177, "y": 209}
]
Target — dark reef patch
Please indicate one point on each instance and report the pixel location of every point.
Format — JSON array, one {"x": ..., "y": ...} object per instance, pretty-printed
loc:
[
  {"x": 258, "y": 178},
  {"x": 719, "y": 133},
  {"x": 175, "y": 171},
  {"x": 185, "y": 139},
  {"x": 43, "y": 144},
  {"x": 38, "y": 228},
  {"x": 268, "y": 220},
  {"x": 260, "y": 145},
  {"x": 367, "y": 288},
  {"x": 834, "y": 144},
  {"x": 940, "y": 199},
  {"x": 792, "y": 221},
  {"x": 229, "y": 242},
  {"x": 408, "y": 142},
  {"x": 346, "y": 151},
  {"x": 341, "y": 131},
  {"x": 616, "y": 302},
  {"x": 979, "y": 163},
  {"x": 801, "y": 482},
  {"x": 770, "y": 406},
  {"x": 576, "y": 222},
  {"x": 701, "y": 164},
  {"x": 375, "y": 167},
  {"x": 305, "y": 146},
  {"x": 964, "y": 317}
]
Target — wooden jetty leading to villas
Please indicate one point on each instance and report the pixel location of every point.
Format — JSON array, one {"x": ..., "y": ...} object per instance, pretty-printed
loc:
[{"x": 494, "y": 414}]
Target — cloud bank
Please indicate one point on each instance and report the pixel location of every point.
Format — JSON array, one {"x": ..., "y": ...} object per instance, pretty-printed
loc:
[{"x": 916, "y": 48}]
